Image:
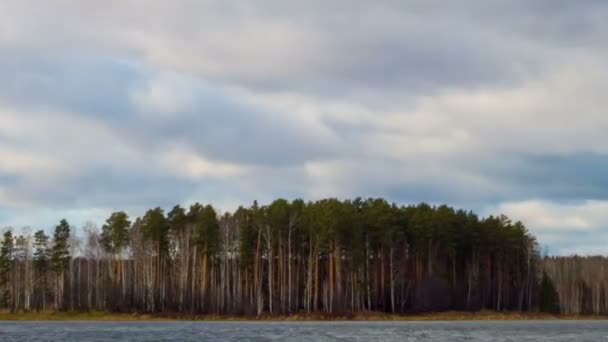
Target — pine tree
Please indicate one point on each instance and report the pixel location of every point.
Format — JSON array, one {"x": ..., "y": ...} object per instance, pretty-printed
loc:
[
  {"x": 549, "y": 299},
  {"x": 41, "y": 266},
  {"x": 6, "y": 268},
  {"x": 114, "y": 240},
  {"x": 155, "y": 228},
  {"x": 60, "y": 259},
  {"x": 115, "y": 233},
  {"x": 207, "y": 240}
]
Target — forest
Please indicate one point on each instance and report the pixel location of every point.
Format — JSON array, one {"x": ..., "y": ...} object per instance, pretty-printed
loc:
[{"x": 327, "y": 256}]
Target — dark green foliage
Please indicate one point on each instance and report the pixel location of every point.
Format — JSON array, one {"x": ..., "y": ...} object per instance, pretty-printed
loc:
[
  {"x": 41, "y": 265},
  {"x": 115, "y": 233},
  {"x": 60, "y": 252},
  {"x": 41, "y": 252},
  {"x": 549, "y": 299},
  {"x": 155, "y": 228},
  {"x": 6, "y": 265},
  {"x": 177, "y": 219},
  {"x": 247, "y": 235},
  {"x": 207, "y": 230}
]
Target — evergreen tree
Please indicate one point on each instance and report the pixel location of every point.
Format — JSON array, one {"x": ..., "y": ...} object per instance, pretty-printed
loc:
[
  {"x": 60, "y": 259},
  {"x": 155, "y": 229},
  {"x": 41, "y": 267},
  {"x": 114, "y": 240},
  {"x": 549, "y": 299},
  {"x": 115, "y": 233},
  {"x": 60, "y": 252},
  {"x": 6, "y": 267}
]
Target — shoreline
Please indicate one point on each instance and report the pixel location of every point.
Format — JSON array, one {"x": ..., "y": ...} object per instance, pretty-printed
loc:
[{"x": 346, "y": 317}]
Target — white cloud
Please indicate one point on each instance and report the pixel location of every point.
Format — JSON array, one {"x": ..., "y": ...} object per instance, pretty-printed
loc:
[
  {"x": 186, "y": 163},
  {"x": 28, "y": 164},
  {"x": 399, "y": 99},
  {"x": 66, "y": 140},
  {"x": 551, "y": 217},
  {"x": 166, "y": 95},
  {"x": 566, "y": 228}
]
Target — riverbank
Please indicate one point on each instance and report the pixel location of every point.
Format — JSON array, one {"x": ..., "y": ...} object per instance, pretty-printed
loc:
[{"x": 371, "y": 316}]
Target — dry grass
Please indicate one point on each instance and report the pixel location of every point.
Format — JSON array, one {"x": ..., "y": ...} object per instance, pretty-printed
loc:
[{"x": 366, "y": 316}]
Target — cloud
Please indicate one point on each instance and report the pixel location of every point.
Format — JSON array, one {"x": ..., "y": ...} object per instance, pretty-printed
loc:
[
  {"x": 273, "y": 45},
  {"x": 104, "y": 106},
  {"x": 585, "y": 216},
  {"x": 191, "y": 165},
  {"x": 166, "y": 96},
  {"x": 18, "y": 163},
  {"x": 566, "y": 227}
]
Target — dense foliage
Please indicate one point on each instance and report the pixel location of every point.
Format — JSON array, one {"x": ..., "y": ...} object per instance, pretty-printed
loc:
[{"x": 284, "y": 257}]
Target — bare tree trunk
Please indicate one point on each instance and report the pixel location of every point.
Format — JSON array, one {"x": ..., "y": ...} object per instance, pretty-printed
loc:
[
  {"x": 367, "y": 278},
  {"x": 392, "y": 280},
  {"x": 289, "y": 262},
  {"x": 258, "y": 275},
  {"x": 269, "y": 247}
]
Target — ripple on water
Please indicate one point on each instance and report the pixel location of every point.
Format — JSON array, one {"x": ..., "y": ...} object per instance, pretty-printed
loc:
[{"x": 304, "y": 331}]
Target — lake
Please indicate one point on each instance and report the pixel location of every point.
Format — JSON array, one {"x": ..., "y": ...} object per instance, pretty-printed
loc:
[{"x": 305, "y": 331}]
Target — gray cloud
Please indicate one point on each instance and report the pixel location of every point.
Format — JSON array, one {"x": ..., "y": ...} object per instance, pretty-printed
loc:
[
  {"x": 479, "y": 104},
  {"x": 213, "y": 121},
  {"x": 89, "y": 86},
  {"x": 577, "y": 176},
  {"x": 384, "y": 46}
]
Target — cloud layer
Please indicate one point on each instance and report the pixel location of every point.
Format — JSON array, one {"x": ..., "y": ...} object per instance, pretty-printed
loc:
[{"x": 488, "y": 106}]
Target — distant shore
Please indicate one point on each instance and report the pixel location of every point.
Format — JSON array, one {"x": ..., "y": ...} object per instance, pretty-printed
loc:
[{"x": 371, "y": 316}]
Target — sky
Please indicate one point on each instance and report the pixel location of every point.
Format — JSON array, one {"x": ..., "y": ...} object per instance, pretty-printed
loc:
[{"x": 493, "y": 106}]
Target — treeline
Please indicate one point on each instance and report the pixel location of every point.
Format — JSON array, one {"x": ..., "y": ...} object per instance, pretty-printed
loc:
[
  {"x": 289, "y": 256},
  {"x": 580, "y": 283}
]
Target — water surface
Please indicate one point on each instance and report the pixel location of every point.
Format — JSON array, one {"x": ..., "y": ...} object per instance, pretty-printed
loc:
[{"x": 305, "y": 331}]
